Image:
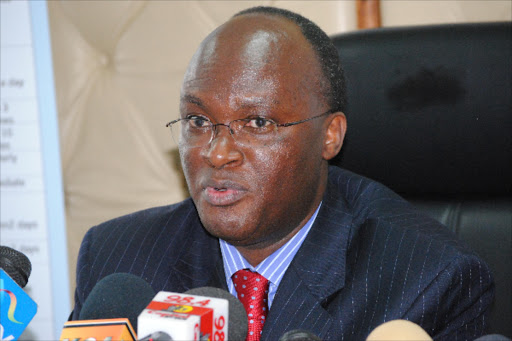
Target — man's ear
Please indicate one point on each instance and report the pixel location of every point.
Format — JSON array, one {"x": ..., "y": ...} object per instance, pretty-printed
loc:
[{"x": 333, "y": 140}]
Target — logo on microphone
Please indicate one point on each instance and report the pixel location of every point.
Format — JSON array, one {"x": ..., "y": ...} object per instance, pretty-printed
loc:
[
  {"x": 179, "y": 309},
  {"x": 12, "y": 305},
  {"x": 16, "y": 308}
]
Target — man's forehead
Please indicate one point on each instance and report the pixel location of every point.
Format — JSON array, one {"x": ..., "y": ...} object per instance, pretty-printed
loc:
[
  {"x": 251, "y": 58},
  {"x": 256, "y": 38},
  {"x": 241, "y": 102},
  {"x": 246, "y": 26}
]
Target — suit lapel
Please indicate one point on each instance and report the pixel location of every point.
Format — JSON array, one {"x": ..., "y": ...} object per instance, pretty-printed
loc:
[
  {"x": 200, "y": 263},
  {"x": 294, "y": 307},
  {"x": 316, "y": 272}
]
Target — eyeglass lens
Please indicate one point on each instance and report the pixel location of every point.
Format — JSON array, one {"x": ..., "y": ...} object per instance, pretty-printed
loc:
[{"x": 186, "y": 132}]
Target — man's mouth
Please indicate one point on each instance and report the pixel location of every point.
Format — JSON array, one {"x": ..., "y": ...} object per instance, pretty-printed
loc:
[{"x": 223, "y": 194}]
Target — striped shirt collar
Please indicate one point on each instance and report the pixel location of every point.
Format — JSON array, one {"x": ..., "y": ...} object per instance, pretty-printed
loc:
[{"x": 273, "y": 267}]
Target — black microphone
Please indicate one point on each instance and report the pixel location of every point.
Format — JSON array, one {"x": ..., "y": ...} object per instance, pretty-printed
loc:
[
  {"x": 299, "y": 335},
  {"x": 17, "y": 308},
  {"x": 238, "y": 323},
  {"x": 15, "y": 264},
  {"x": 119, "y": 295},
  {"x": 157, "y": 336}
]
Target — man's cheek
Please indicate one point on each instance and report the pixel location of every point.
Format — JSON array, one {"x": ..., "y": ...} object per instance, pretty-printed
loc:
[{"x": 189, "y": 167}]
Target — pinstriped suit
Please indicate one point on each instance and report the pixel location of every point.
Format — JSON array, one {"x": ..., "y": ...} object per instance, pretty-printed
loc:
[{"x": 369, "y": 258}]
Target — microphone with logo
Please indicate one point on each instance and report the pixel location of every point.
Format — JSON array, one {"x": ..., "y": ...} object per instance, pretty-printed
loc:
[
  {"x": 111, "y": 309},
  {"x": 16, "y": 308},
  {"x": 199, "y": 314}
]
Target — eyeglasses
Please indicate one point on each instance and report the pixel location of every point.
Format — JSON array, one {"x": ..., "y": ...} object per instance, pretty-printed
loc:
[{"x": 199, "y": 131}]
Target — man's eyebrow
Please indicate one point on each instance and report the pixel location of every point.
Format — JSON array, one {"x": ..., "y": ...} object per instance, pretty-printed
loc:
[{"x": 192, "y": 99}]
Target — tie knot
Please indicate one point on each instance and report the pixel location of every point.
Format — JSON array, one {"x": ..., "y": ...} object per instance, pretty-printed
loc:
[
  {"x": 247, "y": 279},
  {"x": 252, "y": 290}
]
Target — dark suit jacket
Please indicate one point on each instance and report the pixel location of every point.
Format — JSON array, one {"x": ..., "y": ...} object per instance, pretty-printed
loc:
[{"x": 369, "y": 258}]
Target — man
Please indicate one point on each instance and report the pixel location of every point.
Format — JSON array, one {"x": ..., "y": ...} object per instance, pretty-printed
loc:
[{"x": 261, "y": 114}]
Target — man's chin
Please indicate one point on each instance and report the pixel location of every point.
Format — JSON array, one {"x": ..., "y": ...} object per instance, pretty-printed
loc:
[{"x": 229, "y": 232}]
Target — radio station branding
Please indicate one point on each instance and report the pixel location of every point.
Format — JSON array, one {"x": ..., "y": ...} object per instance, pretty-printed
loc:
[
  {"x": 98, "y": 330},
  {"x": 189, "y": 316},
  {"x": 16, "y": 308}
]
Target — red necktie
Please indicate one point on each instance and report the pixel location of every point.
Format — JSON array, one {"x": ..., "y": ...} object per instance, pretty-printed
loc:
[{"x": 252, "y": 289}]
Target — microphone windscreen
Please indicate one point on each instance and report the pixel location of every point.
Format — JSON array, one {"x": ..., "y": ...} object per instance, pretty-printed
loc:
[
  {"x": 299, "y": 335},
  {"x": 157, "y": 336},
  {"x": 119, "y": 295},
  {"x": 399, "y": 330},
  {"x": 15, "y": 264},
  {"x": 237, "y": 327}
]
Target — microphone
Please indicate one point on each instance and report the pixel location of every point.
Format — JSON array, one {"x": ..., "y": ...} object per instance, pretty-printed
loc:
[
  {"x": 101, "y": 330},
  {"x": 16, "y": 308},
  {"x": 111, "y": 309},
  {"x": 157, "y": 336},
  {"x": 199, "y": 314},
  {"x": 15, "y": 264},
  {"x": 399, "y": 330},
  {"x": 299, "y": 335},
  {"x": 118, "y": 295},
  {"x": 238, "y": 323}
]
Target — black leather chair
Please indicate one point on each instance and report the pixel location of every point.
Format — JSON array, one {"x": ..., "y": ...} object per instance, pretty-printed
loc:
[{"x": 430, "y": 116}]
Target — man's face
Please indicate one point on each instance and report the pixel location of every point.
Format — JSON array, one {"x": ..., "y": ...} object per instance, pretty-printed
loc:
[{"x": 255, "y": 196}]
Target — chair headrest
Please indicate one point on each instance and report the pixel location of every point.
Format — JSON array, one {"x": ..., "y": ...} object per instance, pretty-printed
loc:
[{"x": 429, "y": 108}]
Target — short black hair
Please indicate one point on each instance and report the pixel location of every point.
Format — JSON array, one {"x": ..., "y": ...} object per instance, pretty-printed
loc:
[{"x": 325, "y": 50}]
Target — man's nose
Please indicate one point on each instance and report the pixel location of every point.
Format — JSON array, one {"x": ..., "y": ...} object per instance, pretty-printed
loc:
[{"x": 223, "y": 151}]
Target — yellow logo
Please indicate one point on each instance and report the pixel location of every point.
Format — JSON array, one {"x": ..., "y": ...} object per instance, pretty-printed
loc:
[{"x": 180, "y": 308}]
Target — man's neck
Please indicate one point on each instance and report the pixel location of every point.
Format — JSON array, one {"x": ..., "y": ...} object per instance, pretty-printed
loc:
[{"x": 255, "y": 255}]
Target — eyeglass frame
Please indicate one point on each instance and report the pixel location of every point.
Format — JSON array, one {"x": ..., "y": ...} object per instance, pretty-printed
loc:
[{"x": 231, "y": 131}]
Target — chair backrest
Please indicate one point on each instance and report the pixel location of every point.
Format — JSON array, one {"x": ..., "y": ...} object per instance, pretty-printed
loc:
[{"x": 429, "y": 113}]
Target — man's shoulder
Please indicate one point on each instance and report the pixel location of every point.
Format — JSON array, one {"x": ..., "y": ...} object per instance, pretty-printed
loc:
[
  {"x": 148, "y": 243},
  {"x": 373, "y": 205},
  {"x": 355, "y": 187},
  {"x": 385, "y": 227},
  {"x": 364, "y": 198},
  {"x": 411, "y": 265},
  {"x": 154, "y": 215},
  {"x": 140, "y": 231}
]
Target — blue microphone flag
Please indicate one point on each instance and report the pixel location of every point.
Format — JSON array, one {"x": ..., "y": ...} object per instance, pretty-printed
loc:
[{"x": 16, "y": 308}]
